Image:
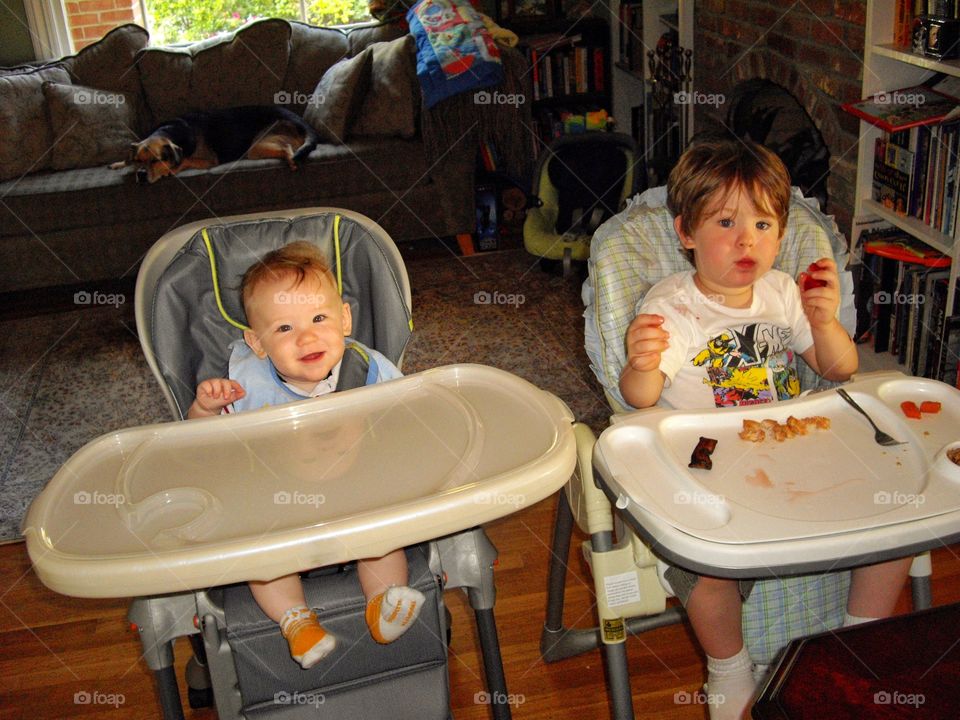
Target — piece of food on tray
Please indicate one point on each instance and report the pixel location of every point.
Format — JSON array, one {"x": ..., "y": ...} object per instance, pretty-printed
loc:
[
  {"x": 799, "y": 427},
  {"x": 954, "y": 455},
  {"x": 819, "y": 422},
  {"x": 700, "y": 458},
  {"x": 910, "y": 409},
  {"x": 930, "y": 406},
  {"x": 753, "y": 431}
]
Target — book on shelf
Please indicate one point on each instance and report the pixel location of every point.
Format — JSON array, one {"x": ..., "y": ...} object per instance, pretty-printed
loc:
[{"x": 905, "y": 108}]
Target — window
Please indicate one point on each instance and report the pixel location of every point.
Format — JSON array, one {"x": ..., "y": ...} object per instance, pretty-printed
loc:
[{"x": 174, "y": 21}]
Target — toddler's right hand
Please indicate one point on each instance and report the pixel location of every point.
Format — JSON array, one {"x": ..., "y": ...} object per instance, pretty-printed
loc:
[
  {"x": 646, "y": 340},
  {"x": 216, "y": 393}
]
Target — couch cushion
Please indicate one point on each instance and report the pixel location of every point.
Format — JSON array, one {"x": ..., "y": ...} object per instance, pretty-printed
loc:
[
  {"x": 390, "y": 108},
  {"x": 245, "y": 67},
  {"x": 108, "y": 63},
  {"x": 339, "y": 94},
  {"x": 25, "y": 134},
  {"x": 90, "y": 126},
  {"x": 361, "y": 37},
  {"x": 313, "y": 51}
]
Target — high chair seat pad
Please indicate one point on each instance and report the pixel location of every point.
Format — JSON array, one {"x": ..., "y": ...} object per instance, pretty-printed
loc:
[
  {"x": 812, "y": 502},
  {"x": 254, "y": 496}
]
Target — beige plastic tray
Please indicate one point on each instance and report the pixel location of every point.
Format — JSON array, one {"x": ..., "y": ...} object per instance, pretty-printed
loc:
[
  {"x": 814, "y": 496},
  {"x": 253, "y": 496}
]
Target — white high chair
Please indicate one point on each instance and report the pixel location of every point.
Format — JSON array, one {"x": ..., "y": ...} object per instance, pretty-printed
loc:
[
  {"x": 629, "y": 254},
  {"x": 180, "y": 515}
]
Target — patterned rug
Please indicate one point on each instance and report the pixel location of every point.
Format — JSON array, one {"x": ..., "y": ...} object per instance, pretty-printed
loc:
[{"x": 70, "y": 377}]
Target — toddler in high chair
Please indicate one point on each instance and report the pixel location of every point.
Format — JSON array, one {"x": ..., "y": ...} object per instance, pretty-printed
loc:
[
  {"x": 297, "y": 347},
  {"x": 723, "y": 334}
]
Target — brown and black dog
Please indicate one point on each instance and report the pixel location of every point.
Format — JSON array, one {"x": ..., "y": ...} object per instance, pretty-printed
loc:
[{"x": 207, "y": 138}]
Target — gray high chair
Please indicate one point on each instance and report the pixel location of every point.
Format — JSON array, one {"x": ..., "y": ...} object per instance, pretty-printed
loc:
[
  {"x": 183, "y": 542},
  {"x": 629, "y": 254}
]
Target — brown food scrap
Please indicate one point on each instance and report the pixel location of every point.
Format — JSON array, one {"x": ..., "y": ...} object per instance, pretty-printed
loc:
[
  {"x": 752, "y": 431},
  {"x": 798, "y": 426},
  {"x": 700, "y": 458},
  {"x": 820, "y": 422},
  {"x": 954, "y": 455}
]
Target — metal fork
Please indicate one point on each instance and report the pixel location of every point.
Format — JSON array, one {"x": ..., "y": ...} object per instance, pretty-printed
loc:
[{"x": 879, "y": 435}]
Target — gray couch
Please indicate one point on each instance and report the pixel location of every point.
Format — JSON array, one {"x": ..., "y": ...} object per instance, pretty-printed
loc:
[{"x": 65, "y": 217}]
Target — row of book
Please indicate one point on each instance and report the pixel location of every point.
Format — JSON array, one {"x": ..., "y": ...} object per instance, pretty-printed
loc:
[
  {"x": 632, "y": 50},
  {"x": 915, "y": 174},
  {"x": 563, "y": 71},
  {"x": 902, "y": 305}
]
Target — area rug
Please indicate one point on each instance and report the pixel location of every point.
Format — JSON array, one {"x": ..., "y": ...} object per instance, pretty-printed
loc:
[{"x": 70, "y": 377}]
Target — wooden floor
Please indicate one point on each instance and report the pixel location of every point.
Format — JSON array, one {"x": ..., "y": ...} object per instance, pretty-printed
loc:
[{"x": 57, "y": 651}]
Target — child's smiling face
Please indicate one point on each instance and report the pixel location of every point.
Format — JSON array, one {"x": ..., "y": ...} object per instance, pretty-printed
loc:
[
  {"x": 735, "y": 244},
  {"x": 300, "y": 327}
]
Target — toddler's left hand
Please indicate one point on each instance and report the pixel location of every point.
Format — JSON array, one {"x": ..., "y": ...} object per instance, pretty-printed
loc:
[{"x": 820, "y": 303}]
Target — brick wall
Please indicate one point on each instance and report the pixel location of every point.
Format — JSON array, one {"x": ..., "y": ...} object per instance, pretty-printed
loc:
[
  {"x": 813, "y": 49},
  {"x": 90, "y": 20}
]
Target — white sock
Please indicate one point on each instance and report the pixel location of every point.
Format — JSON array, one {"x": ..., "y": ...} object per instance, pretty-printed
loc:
[
  {"x": 392, "y": 613},
  {"x": 759, "y": 673},
  {"x": 851, "y": 620},
  {"x": 730, "y": 685}
]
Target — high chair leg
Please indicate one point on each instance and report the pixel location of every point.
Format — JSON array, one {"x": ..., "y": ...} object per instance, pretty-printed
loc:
[{"x": 920, "y": 571}]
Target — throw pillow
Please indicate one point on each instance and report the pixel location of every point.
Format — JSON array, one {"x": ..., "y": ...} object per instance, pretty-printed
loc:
[
  {"x": 25, "y": 135},
  {"x": 90, "y": 126},
  {"x": 390, "y": 107},
  {"x": 338, "y": 96}
]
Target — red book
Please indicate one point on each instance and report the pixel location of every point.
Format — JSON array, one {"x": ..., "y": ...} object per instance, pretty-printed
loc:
[{"x": 896, "y": 110}]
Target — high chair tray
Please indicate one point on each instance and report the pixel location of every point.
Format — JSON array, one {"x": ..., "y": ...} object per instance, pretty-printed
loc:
[
  {"x": 832, "y": 493},
  {"x": 254, "y": 496}
]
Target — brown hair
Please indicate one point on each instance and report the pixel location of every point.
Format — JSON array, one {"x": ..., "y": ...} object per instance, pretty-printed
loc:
[
  {"x": 710, "y": 170},
  {"x": 295, "y": 260}
]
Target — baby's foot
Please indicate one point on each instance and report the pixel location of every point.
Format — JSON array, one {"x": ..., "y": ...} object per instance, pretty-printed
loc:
[
  {"x": 390, "y": 614},
  {"x": 309, "y": 642}
]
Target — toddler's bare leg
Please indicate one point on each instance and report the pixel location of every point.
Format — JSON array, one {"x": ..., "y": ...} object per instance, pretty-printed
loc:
[
  {"x": 376, "y": 575},
  {"x": 874, "y": 589},
  {"x": 714, "y": 608},
  {"x": 283, "y": 601},
  {"x": 392, "y": 606},
  {"x": 277, "y": 596}
]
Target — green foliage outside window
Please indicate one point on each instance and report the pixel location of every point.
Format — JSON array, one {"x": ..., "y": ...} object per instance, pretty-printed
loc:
[{"x": 175, "y": 21}]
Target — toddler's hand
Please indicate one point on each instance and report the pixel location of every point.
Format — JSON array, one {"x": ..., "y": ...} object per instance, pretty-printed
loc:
[
  {"x": 215, "y": 394},
  {"x": 646, "y": 340},
  {"x": 820, "y": 301}
]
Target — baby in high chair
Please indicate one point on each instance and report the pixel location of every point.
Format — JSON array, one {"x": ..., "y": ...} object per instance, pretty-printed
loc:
[
  {"x": 722, "y": 334},
  {"x": 297, "y": 347}
]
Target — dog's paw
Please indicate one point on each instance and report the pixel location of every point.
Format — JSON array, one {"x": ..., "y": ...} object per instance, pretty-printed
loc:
[{"x": 120, "y": 165}]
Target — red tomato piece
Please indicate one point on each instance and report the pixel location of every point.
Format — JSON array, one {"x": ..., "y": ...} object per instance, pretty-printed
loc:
[
  {"x": 930, "y": 406},
  {"x": 809, "y": 282},
  {"x": 910, "y": 409}
]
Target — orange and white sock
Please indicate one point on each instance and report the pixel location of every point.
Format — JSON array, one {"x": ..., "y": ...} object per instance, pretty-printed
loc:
[
  {"x": 390, "y": 614},
  {"x": 309, "y": 642}
]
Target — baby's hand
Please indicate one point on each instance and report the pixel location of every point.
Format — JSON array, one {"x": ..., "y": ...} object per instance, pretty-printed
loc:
[
  {"x": 646, "y": 340},
  {"x": 215, "y": 394},
  {"x": 820, "y": 292}
]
